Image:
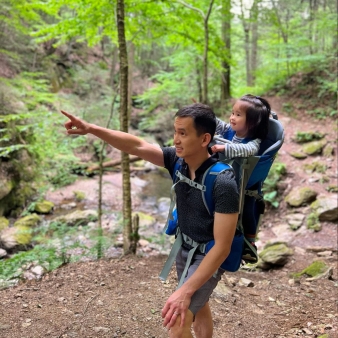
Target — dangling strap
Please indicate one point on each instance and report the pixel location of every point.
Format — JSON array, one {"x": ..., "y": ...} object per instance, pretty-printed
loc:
[{"x": 172, "y": 256}]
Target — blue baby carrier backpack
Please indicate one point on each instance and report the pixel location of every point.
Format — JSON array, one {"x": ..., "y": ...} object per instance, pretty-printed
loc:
[{"x": 250, "y": 174}]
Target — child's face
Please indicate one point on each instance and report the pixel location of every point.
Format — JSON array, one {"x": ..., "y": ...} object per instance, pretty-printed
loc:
[{"x": 238, "y": 118}]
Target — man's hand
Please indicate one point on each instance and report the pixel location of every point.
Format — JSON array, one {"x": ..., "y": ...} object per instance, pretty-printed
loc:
[
  {"x": 75, "y": 126},
  {"x": 176, "y": 305}
]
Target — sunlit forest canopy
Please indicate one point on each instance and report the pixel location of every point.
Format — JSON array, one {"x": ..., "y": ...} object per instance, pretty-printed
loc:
[{"x": 64, "y": 54}]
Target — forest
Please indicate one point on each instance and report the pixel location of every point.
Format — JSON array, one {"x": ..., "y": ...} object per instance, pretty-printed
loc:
[{"x": 130, "y": 65}]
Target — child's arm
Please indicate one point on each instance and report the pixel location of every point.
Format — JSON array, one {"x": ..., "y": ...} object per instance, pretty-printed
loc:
[
  {"x": 242, "y": 150},
  {"x": 221, "y": 127},
  {"x": 232, "y": 150}
]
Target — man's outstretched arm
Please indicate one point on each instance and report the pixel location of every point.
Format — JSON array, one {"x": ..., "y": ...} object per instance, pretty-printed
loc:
[{"x": 125, "y": 142}]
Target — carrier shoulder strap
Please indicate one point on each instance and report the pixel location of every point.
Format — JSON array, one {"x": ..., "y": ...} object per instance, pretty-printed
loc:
[{"x": 208, "y": 180}]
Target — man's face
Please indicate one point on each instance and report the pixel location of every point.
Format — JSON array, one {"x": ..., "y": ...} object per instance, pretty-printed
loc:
[{"x": 186, "y": 140}]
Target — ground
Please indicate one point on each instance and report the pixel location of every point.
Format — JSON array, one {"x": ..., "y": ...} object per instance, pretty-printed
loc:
[{"x": 124, "y": 297}]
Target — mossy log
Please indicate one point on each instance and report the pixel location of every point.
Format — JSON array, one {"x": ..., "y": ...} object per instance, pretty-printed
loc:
[{"x": 112, "y": 163}]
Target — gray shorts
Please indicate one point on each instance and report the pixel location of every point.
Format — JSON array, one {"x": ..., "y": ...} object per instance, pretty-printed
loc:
[{"x": 201, "y": 296}]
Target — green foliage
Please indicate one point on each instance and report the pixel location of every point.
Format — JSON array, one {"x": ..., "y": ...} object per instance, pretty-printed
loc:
[
  {"x": 270, "y": 190},
  {"x": 13, "y": 267}
]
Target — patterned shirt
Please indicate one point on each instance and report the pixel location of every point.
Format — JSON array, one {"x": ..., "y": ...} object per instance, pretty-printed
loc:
[{"x": 236, "y": 148}]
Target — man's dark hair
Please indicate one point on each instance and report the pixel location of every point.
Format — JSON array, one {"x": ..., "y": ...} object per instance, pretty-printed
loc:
[
  {"x": 257, "y": 116},
  {"x": 203, "y": 116}
]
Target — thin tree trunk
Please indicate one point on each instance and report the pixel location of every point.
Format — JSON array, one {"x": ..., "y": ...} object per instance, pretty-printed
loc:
[
  {"x": 127, "y": 225},
  {"x": 254, "y": 40},
  {"x": 206, "y": 46},
  {"x": 246, "y": 46},
  {"x": 100, "y": 167},
  {"x": 226, "y": 37}
]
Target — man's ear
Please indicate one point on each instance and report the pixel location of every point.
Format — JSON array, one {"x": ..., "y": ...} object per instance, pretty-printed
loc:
[{"x": 206, "y": 139}]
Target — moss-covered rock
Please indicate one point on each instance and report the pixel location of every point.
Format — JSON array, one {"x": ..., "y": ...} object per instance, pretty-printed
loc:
[
  {"x": 314, "y": 148},
  {"x": 29, "y": 221},
  {"x": 307, "y": 136},
  {"x": 313, "y": 270},
  {"x": 23, "y": 234},
  {"x": 299, "y": 196},
  {"x": 44, "y": 207},
  {"x": 78, "y": 217},
  {"x": 79, "y": 195},
  {"x": 275, "y": 254},
  {"x": 328, "y": 150},
  {"x": 326, "y": 208},
  {"x": 315, "y": 166},
  {"x": 6, "y": 187},
  {"x": 298, "y": 155},
  {"x": 145, "y": 220},
  {"x": 4, "y": 223},
  {"x": 312, "y": 222}
]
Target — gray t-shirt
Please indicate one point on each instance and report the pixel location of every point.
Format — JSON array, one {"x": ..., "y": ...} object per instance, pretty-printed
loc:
[{"x": 194, "y": 219}]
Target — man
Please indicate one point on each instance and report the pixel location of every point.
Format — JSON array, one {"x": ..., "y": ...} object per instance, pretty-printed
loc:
[{"x": 194, "y": 128}]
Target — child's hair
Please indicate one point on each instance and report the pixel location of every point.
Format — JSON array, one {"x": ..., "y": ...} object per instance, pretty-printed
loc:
[{"x": 257, "y": 116}]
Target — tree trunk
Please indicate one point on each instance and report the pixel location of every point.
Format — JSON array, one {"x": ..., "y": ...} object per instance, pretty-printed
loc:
[
  {"x": 246, "y": 29},
  {"x": 127, "y": 225},
  {"x": 205, "y": 54},
  {"x": 254, "y": 40},
  {"x": 226, "y": 36}
]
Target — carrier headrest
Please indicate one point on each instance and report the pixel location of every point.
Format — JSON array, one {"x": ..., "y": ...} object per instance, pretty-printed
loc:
[{"x": 274, "y": 140}]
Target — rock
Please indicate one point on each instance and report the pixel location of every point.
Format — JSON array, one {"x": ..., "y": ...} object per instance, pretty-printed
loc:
[
  {"x": 3, "y": 253},
  {"x": 145, "y": 220},
  {"x": 300, "y": 195},
  {"x": 246, "y": 282},
  {"x": 314, "y": 148},
  {"x": 79, "y": 195},
  {"x": 298, "y": 155},
  {"x": 44, "y": 207},
  {"x": 316, "y": 269},
  {"x": 276, "y": 254},
  {"x": 295, "y": 220},
  {"x": 6, "y": 187},
  {"x": 15, "y": 236},
  {"x": 78, "y": 217},
  {"x": 326, "y": 208},
  {"x": 4, "y": 222},
  {"x": 328, "y": 150},
  {"x": 29, "y": 221}
]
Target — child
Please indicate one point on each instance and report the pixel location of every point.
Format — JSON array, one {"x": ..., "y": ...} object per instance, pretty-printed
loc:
[{"x": 248, "y": 126}]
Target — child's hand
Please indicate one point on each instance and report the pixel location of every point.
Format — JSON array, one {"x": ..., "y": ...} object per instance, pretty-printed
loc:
[{"x": 217, "y": 148}]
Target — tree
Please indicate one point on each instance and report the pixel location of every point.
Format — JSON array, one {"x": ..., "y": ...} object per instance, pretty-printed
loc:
[
  {"x": 226, "y": 37},
  {"x": 205, "y": 17},
  {"x": 123, "y": 57}
]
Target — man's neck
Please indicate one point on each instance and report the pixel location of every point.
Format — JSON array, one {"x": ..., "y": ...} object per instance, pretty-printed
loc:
[{"x": 194, "y": 162}]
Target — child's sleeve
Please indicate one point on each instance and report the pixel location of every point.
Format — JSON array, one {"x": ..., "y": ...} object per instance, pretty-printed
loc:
[
  {"x": 221, "y": 127},
  {"x": 242, "y": 150}
]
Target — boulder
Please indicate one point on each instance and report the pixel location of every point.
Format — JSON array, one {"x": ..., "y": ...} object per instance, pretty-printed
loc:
[
  {"x": 299, "y": 196},
  {"x": 326, "y": 208},
  {"x": 44, "y": 207},
  {"x": 29, "y": 221},
  {"x": 4, "y": 223},
  {"x": 275, "y": 254},
  {"x": 314, "y": 148},
  {"x": 15, "y": 236},
  {"x": 6, "y": 187},
  {"x": 78, "y": 217}
]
